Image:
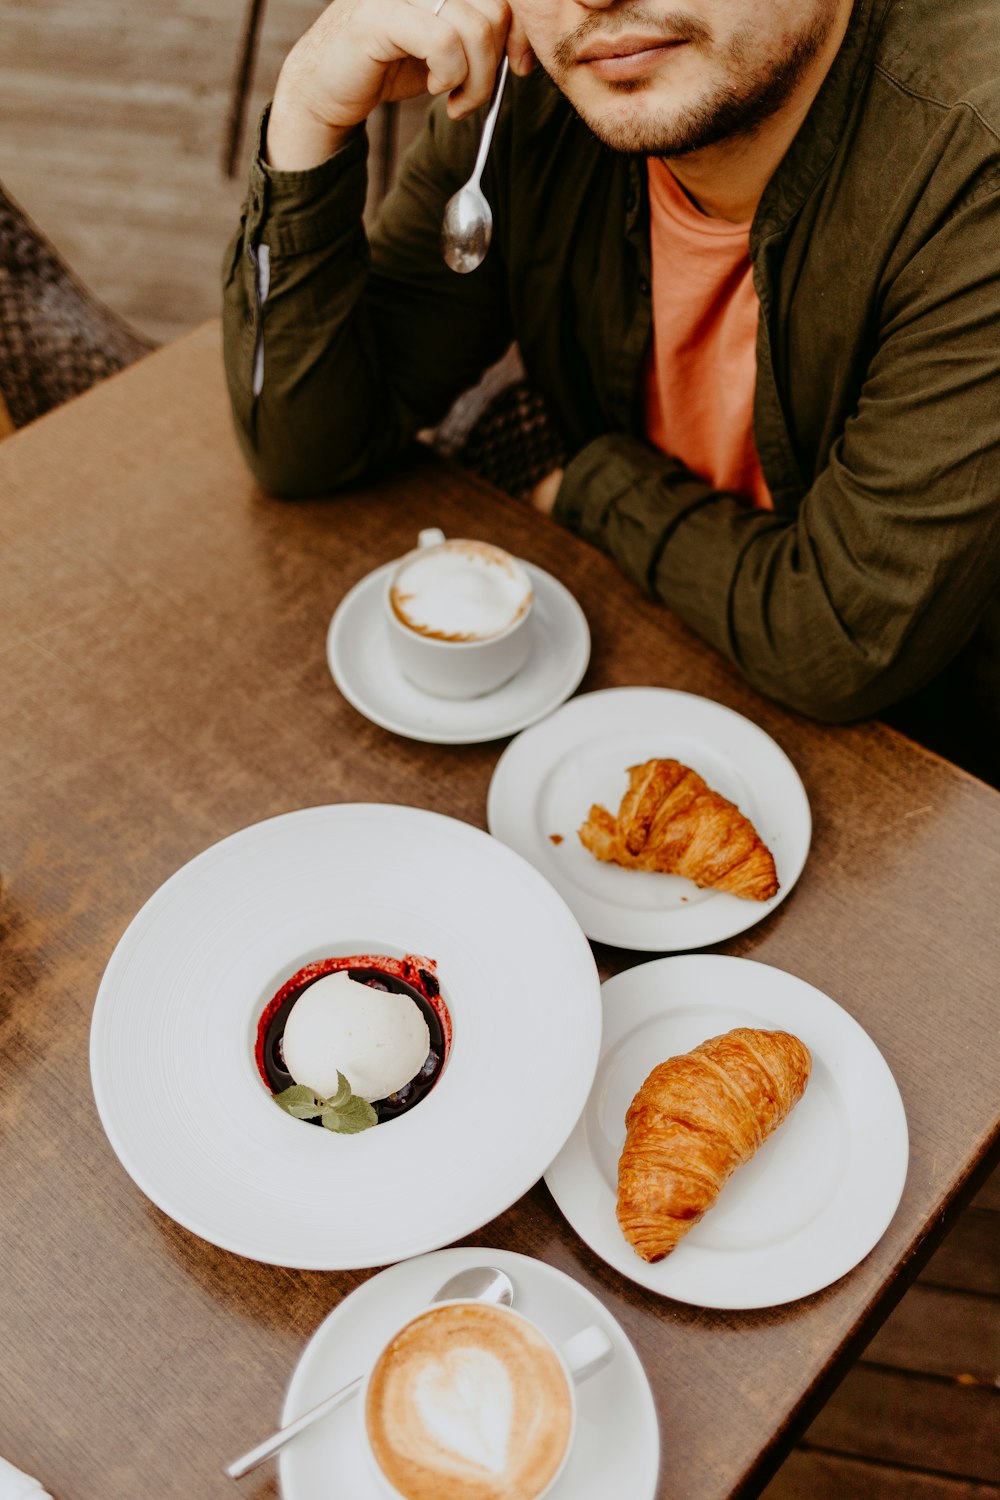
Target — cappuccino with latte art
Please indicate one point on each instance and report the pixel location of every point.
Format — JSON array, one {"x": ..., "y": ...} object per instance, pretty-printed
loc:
[
  {"x": 469, "y": 1402},
  {"x": 458, "y": 616}
]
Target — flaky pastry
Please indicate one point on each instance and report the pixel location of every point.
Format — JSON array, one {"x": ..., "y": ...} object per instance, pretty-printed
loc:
[
  {"x": 671, "y": 821},
  {"x": 696, "y": 1119}
]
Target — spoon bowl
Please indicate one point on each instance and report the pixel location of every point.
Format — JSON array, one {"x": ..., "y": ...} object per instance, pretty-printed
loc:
[
  {"x": 478, "y": 1284},
  {"x": 475, "y": 1283},
  {"x": 467, "y": 228}
]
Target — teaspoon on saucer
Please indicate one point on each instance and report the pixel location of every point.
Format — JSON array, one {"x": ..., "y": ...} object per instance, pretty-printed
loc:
[{"x": 477, "y": 1283}]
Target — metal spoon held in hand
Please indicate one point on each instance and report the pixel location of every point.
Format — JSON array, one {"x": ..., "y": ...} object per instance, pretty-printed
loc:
[
  {"x": 468, "y": 220},
  {"x": 478, "y": 1283}
]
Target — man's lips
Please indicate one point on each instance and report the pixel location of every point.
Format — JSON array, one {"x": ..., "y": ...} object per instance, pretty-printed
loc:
[{"x": 626, "y": 56}]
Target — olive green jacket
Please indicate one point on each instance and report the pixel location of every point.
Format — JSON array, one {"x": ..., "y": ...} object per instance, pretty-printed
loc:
[{"x": 876, "y": 253}]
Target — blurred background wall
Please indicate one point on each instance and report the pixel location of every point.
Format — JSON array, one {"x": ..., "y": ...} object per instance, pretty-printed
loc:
[{"x": 120, "y": 121}]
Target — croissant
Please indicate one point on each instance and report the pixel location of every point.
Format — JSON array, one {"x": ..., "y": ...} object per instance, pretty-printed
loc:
[
  {"x": 670, "y": 820},
  {"x": 696, "y": 1119}
]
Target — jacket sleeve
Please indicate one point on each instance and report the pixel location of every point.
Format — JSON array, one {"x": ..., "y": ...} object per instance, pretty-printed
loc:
[
  {"x": 884, "y": 572},
  {"x": 338, "y": 350}
]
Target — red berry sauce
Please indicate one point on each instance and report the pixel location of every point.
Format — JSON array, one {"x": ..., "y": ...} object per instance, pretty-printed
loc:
[{"x": 413, "y": 976}]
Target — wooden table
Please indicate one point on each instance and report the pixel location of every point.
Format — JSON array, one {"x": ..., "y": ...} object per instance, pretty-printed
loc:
[{"x": 163, "y": 683}]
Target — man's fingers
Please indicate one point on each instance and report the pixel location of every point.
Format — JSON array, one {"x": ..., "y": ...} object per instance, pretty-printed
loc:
[
  {"x": 360, "y": 53},
  {"x": 410, "y": 29},
  {"x": 482, "y": 26},
  {"x": 519, "y": 51},
  {"x": 461, "y": 45}
]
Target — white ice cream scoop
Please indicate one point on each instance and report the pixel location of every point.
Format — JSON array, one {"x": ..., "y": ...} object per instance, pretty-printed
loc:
[{"x": 379, "y": 1040}]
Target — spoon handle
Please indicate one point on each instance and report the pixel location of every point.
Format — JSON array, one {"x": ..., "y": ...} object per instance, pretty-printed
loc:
[
  {"x": 490, "y": 122},
  {"x": 277, "y": 1440}
]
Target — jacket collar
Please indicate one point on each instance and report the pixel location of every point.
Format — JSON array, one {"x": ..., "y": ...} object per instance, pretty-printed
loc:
[
  {"x": 822, "y": 130},
  {"x": 814, "y": 146}
]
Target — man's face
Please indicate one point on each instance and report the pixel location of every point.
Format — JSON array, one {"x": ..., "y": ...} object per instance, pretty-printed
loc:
[{"x": 667, "y": 77}]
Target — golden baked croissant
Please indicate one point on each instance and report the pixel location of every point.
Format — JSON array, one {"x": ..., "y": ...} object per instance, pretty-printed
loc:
[
  {"x": 671, "y": 821},
  {"x": 696, "y": 1119}
]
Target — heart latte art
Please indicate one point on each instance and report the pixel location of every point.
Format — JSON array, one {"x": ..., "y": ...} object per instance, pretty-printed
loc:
[
  {"x": 469, "y": 1402},
  {"x": 465, "y": 1403}
]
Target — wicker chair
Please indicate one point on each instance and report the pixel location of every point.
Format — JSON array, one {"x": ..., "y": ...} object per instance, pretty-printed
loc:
[
  {"x": 502, "y": 431},
  {"x": 56, "y": 338}
]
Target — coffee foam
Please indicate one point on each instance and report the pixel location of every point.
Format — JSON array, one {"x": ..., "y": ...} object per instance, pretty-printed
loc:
[
  {"x": 469, "y": 1403},
  {"x": 465, "y": 1402},
  {"x": 460, "y": 591}
]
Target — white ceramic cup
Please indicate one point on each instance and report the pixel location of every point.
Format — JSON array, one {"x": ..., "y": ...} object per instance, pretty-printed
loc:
[
  {"x": 440, "y": 650},
  {"x": 577, "y": 1358}
]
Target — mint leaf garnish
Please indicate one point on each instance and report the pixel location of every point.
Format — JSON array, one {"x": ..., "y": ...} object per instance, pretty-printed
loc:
[
  {"x": 300, "y": 1102},
  {"x": 344, "y": 1112},
  {"x": 348, "y": 1118},
  {"x": 342, "y": 1095}
]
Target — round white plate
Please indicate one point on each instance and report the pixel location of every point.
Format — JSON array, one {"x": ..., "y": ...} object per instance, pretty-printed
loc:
[
  {"x": 175, "y": 1021},
  {"x": 617, "y": 1447},
  {"x": 546, "y": 780},
  {"x": 820, "y": 1192},
  {"x": 357, "y": 650}
]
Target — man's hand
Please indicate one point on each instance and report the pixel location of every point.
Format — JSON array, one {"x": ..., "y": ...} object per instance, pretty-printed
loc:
[
  {"x": 543, "y": 496},
  {"x": 362, "y": 53}
]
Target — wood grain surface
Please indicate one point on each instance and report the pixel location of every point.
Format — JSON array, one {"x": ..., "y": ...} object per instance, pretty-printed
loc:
[{"x": 163, "y": 683}]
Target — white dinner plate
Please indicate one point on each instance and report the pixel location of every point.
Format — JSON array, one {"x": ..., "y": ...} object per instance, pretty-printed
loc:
[
  {"x": 365, "y": 671},
  {"x": 546, "y": 780},
  {"x": 816, "y": 1197},
  {"x": 616, "y": 1450},
  {"x": 175, "y": 1021}
]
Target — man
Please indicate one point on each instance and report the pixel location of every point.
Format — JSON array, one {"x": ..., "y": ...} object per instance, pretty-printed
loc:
[{"x": 751, "y": 256}]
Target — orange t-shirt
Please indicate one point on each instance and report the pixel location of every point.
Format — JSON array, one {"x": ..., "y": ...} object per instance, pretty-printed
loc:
[{"x": 702, "y": 365}]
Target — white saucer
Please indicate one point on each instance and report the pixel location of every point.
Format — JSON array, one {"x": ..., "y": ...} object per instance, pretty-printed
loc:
[
  {"x": 816, "y": 1197},
  {"x": 357, "y": 650},
  {"x": 545, "y": 781},
  {"x": 617, "y": 1447}
]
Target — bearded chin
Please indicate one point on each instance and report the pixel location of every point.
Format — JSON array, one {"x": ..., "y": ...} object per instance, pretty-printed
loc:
[
  {"x": 651, "y": 132},
  {"x": 733, "y": 111}
]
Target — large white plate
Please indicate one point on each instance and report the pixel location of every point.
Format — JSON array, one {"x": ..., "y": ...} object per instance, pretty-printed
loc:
[
  {"x": 546, "y": 780},
  {"x": 820, "y": 1192},
  {"x": 616, "y": 1450},
  {"x": 363, "y": 667},
  {"x": 172, "y": 1037}
]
